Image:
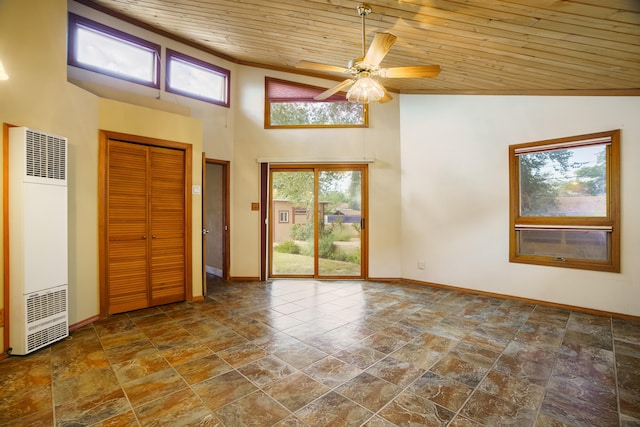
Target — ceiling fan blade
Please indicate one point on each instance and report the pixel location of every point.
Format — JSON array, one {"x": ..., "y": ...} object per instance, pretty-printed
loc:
[
  {"x": 337, "y": 88},
  {"x": 380, "y": 46},
  {"x": 386, "y": 97},
  {"x": 416, "y": 71},
  {"x": 308, "y": 65}
]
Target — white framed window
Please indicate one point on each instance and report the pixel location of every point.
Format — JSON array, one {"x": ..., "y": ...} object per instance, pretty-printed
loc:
[
  {"x": 284, "y": 216},
  {"x": 105, "y": 50},
  {"x": 197, "y": 79}
]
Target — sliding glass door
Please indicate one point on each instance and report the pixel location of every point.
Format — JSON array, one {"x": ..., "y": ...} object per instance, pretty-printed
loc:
[
  {"x": 317, "y": 218},
  {"x": 292, "y": 223}
]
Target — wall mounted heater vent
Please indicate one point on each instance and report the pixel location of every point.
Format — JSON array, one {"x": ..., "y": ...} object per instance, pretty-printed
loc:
[
  {"x": 46, "y": 156},
  {"x": 38, "y": 272}
]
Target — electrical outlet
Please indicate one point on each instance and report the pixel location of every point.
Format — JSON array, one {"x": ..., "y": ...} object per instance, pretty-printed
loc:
[{"x": 421, "y": 264}]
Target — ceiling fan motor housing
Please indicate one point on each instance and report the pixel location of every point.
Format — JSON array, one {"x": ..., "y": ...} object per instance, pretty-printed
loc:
[
  {"x": 357, "y": 65},
  {"x": 363, "y": 10}
]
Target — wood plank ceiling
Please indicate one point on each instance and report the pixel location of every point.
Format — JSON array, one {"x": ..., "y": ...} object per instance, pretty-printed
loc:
[{"x": 483, "y": 46}]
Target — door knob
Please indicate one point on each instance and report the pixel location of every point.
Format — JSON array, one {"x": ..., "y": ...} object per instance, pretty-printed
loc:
[
  {"x": 153, "y": 236},
  {"x": 144, "y": 237}
]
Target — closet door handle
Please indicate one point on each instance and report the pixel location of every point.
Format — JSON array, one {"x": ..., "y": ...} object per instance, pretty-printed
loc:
[
  {"x": 153, "y": 236},
  {"x": 144, "y": 237}
]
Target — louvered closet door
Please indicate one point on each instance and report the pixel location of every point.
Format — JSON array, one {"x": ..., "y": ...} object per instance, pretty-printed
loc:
[
  {"x": 127, "y": 225},
  {"x": 167, "y": 210}
]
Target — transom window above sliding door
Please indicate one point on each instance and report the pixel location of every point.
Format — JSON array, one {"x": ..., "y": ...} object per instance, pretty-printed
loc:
[
  {"x": 292, "y": 105},
  {"x": 105, "y": 50},
  {"x": 565, "y": 205}
]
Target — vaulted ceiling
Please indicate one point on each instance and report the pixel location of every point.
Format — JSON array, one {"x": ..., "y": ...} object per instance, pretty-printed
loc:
[{"x": 482, "y": 46}]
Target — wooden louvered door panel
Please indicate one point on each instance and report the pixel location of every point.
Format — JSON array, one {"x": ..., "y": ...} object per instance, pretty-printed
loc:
[
  {"x": 127, "y": 224},
  {"x": 145, "y": 226},
  {"x": 167, "y": 208}
]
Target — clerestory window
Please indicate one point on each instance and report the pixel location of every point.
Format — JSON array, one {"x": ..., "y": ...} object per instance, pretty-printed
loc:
[
  {"x": 188, "y": 76},
  {"x": 105, "y": 50}
]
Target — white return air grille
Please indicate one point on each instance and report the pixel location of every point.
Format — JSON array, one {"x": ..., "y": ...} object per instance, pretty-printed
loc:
[
  {"x": 45, "y": 155},
  {"x": 49, "y": 304},
  {"x": 47, "y": 318},
  {"x": 45, "y": 337}
]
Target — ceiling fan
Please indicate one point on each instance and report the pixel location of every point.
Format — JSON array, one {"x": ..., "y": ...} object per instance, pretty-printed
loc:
[{"x": 365, "y": 71}]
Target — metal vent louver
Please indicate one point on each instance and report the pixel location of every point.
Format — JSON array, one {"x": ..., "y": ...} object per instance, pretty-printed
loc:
[
  {"x": 49, "y": 304},
  {"x": 47, "y": 317},
  {"x": 45, "y": 156},
  {"x": 46, "y": 336}
]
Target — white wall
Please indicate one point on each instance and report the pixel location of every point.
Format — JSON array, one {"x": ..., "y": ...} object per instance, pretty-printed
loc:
[
  {"x": 380, "y": 142},
  {"x": 455, "y": 194}
]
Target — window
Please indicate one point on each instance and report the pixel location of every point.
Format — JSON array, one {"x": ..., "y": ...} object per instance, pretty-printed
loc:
[
  {"x": 105, "y": 50},
  {"x": 291, "y": 105},
  {"x": 284, "y": 216},
  {"x": 565, "y": 203},
  {"x": 197, "y": 79}
]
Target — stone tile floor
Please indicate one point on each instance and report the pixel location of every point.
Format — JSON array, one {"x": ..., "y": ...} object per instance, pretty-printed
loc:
[{"x": 298, "y": 353}]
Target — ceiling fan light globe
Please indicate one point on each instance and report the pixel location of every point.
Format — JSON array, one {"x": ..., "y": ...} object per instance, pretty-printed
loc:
[{"x": 365, "y": 90}]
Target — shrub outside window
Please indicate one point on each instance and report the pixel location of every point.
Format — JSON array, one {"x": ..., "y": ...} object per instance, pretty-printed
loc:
[
  {"x": 197, "y": 79},
  {"x": 105, "y": 50},
  {"x": 291, "y": 105},
  {"x": 565, "y": 202}
]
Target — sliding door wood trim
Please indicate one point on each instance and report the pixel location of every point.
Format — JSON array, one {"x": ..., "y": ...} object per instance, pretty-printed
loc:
[{"x": 264, "y": 212}]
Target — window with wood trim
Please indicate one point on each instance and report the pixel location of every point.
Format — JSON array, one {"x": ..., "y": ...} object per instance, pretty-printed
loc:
[
  {"x": 291, "y": 105},
  {"x": 105, "y": 50},
  {"x": 284, "y": 216},
  {"x": 565, "y": 202}
]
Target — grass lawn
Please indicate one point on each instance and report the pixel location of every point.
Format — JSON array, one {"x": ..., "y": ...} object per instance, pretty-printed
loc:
[{"x": 300, "y": 264}]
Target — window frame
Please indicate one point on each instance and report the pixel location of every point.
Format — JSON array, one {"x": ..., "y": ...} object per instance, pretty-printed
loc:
[
  {"x": 338, "y": 97},
  {"x": 610, "y": 222},
  {"x": 198, "y": 63},
  {"x": 77, "y": 21},
  {"x": 283, "y": 214}
]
